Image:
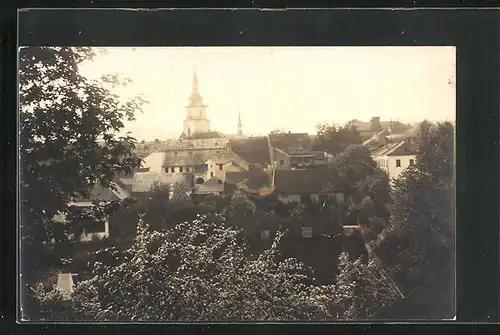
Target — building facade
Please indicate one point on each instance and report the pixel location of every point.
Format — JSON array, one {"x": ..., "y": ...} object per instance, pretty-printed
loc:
[{"x": 394, "y": 158}]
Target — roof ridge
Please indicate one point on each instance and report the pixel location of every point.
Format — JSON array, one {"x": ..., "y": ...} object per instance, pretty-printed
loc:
[{"x": 390, "y": 151}]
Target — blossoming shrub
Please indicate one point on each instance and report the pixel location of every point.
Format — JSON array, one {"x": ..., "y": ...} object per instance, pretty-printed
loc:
[{"x": 199, "y": 271}]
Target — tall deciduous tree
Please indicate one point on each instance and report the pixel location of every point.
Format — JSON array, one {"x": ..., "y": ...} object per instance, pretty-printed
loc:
[
  {"x": 68, "y": 138},
  {"x": 418, "y": 245},
  {"x": 366, "y": 189}
]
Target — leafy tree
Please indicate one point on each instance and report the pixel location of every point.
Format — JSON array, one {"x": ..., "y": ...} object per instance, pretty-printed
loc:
[
  {"x": 417, "y": 247},
  {"x": 68, "y": 140},
  {"x": 199, "y": 271},
  {"x": 335, "y": 140},
  {"x": 124, "y": 218},
  {"x": 278, "y": 131},
  {"x": 365, "y": 187}
]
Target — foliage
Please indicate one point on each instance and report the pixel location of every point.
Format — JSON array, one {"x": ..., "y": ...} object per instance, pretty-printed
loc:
[
  {"x": 198, "y": 271},
  {"x": 371, "y": 289},
  {"x": 418, "y": 245},
  {"x": 123, "y": 220},
  {"x": 278, "y": 131},
  {"x": 68, "y": 140},
  {"x": 365, "y": 187},
  {"x": 335, "y": 140}
]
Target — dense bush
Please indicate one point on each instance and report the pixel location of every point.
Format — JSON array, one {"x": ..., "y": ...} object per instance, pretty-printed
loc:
[{"x": 199, "y": 271}]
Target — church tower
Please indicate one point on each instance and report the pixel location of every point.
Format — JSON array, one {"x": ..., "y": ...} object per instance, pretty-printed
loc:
[
  {"x": 240, "y": 127},
  {"x": 196, "y": 115}
]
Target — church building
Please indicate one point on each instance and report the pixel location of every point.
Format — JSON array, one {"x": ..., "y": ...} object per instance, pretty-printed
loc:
[{"x": 197, "y": 124}]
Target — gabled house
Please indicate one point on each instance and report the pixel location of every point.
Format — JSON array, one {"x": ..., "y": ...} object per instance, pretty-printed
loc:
[
  {"x": 211, "y": 186},
  {"x": 254, "y": 150},
  {"x": 294, "y": 151},
  {"x": 92, "y": 229},
  {"x": 253, "y": 181},
  {"x": 203, "y": 163},
  {"x": 395, "y": 157},
  {"x": 302, "y": 186}
]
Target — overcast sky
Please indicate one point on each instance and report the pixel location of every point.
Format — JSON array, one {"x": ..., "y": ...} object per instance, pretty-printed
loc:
[{"x": 292, "y": 88}]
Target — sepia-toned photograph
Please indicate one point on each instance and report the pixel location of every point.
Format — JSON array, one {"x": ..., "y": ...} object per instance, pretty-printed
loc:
[{"x": 236, "y": 184}]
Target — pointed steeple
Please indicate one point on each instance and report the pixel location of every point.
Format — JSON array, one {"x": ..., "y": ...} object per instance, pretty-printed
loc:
[
  {"x": 195, "y": 83},
  {"x": 240, "y": 126},
  {"x": 195, "y": 99}
]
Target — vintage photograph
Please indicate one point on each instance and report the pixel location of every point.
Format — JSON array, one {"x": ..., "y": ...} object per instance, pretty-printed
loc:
[{"x": 236, "y": 184}]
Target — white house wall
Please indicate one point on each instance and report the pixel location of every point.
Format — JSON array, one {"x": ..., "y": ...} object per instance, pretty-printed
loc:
[
  {"x": 154, "y": 162},
  {"x": 389, "y": 164},
  {"x": 213, "y": 170}
]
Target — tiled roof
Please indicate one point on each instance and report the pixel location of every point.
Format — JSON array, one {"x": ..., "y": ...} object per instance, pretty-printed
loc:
[
  {"x": 198, "y": 157},
  {"x": 252, "y": 179},
  {"x": 254, "y": 150},
  {"x": 375, "y": 138},
  {"x": 143, "y": 181},
  {"x": 210, "y": 186},
  {"x": 101, "y": 193},
  {"x": 205, "y": 135},
  {"x": 292, "y": 142},
  {"x": 399, "y": 148},
  {"x": 303, "y": 181}
]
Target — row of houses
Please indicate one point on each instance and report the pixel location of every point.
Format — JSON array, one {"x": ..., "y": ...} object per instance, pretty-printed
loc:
[{"x": 283, "y": 164}]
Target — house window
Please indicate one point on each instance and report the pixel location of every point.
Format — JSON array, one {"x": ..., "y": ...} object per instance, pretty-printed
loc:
[
  {"x": 306, "y": 232},
  {"x": 211, "y": 174},
  {"x": 172, "y": 169},
  {"x": 412, "y": 161},
  {"x": 181, "y": 169},
  {"x": 282, "y": 162},
  {"x": 220, "y": 167},
  {"x": 398, "y": 162},
  {"x": 166, "y": 170}
]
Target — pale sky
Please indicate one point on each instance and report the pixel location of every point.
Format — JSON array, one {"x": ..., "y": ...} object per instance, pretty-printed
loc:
[{"x": 292, "y": 88}]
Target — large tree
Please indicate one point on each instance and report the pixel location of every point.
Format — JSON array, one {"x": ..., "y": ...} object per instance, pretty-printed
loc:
[
  {"x": 334, "y": 139},
  {"x": 68, "y": 139},
  {"x": 417, "y": 248},
  {"x": 199, "y": 271},
  {"x": 366, "y": 189}
]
